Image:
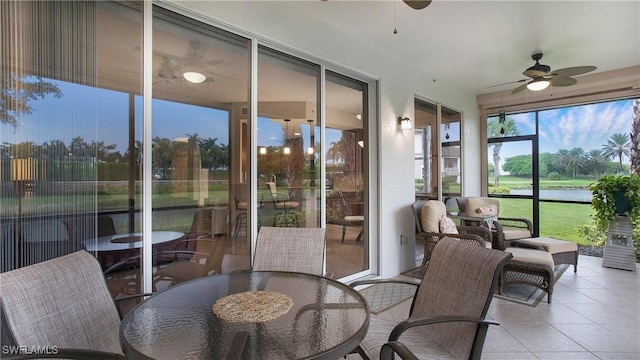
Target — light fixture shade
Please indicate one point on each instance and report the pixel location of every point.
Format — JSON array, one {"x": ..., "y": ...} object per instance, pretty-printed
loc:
[
  {"x": 194, "y": 77},
  {"x": 405, "y": 123},
  {"x": 310, "y": 151},
  {"x": 263, "y": 150},
  {"x": 287, "y": 150},
  {"x": 538, "y": 84}
]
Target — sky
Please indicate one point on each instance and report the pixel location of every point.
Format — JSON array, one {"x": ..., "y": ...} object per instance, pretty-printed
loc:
[
  {"x": 101, "y": 114},
  {"x": 586, "y": 126},
  {"x": 94, "y": 113}
]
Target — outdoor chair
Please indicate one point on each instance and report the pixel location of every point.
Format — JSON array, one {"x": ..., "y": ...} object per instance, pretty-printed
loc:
[
  {"x": 505, "y": 229},
  {"x": 63, "y": 302},
  {"x": 188, "y": 260},
  {"x": 106, "y": 226},
  {"x": 290, "y": 249},
  {"x": 430, "y": 216},
  {"x": 348, "y": 219},
  {"x": 283, "y": 203},
  {"x": 447, "y": 315}
]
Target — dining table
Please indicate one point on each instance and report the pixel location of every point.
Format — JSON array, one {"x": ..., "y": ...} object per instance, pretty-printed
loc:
[
  {"x": 248, "y": 315},
  {"x": 110, "y": 249}
]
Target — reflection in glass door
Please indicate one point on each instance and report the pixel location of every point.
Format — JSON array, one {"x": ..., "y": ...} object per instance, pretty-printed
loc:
[
  {"x": 450, "y": 153},
  {"x": 287, "y": 140},
  {"x": 347, "y": 200}
]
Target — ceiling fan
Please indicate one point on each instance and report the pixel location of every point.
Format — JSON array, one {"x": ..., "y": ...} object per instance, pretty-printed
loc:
[
  {"x": 541, "y": 76},
  {"x": 170, "y": 73},
  {"x": 417, "y": 4}
]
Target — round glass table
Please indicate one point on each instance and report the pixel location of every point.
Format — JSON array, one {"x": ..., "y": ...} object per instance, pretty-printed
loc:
[{"x": 325, "y": 319}]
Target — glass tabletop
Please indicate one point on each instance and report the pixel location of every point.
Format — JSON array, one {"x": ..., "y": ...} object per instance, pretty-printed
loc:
[{"x": 327, "y": 319}]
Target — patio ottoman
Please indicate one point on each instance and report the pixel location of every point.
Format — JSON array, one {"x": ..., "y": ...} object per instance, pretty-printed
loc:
[
  {"x": 529, "y": 267},
  {"x": 563, "y": 252}
]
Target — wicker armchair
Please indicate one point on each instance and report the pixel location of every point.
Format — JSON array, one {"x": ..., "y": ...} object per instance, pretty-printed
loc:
[
  {"x": 427, "y": 216},
  {"x": 506, "y": 229},
  {"x": 447, "y": 316}
]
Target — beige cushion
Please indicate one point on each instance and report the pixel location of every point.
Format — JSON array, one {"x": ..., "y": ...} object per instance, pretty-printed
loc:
[
  {"x": 510, "y": 234},
  {"x": 472, "y": 204},
  {"x": 554, "y": 246},
  {"x": 430, "y": 215},
  {"x": 531, "y": 256}
]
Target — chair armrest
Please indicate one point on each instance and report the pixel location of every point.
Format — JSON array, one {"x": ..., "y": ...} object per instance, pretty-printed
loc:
[
  {"x": 78, "y": 354},
  {"x": 520, "y": 223},
  {"x": 523, "y": 243},
  {"x": 396, "y": 347},
  {"x": 481, "y": 231},
  {"x": 414, "y": 282},
  {"x": 128, "y": 297},
  {"x": 409, "y": 323}
]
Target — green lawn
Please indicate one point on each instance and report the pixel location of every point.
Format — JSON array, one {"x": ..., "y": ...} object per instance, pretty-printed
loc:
[{"x": 558, "y": 220}]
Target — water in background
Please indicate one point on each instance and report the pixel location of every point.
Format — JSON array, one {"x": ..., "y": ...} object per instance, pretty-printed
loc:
[{"x": 565, "y": 194}]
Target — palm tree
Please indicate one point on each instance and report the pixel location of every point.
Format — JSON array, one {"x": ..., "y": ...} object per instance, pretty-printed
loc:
[
  {"x": 597, "y": 161},
  {"x": 562, "y": 159},
  {"x": 617, "y": 146},
  {"x": 495, "y": 129},
  {"x": 635, "y": 138},
  {"x": 575, "y": 159}
]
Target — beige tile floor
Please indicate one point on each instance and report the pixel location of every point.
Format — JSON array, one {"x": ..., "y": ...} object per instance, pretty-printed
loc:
[{"x": 595, "y": 314}]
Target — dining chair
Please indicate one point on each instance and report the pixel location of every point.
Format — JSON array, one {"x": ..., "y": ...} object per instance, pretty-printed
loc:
[
  {"x": 447, "y": 314},
  {"x": 348, "y": 219},
  {"x": 63, "y": 302},
  {"x": 283, "y": 203},
  {"x": 430, "y": 219},
  {"x": 106, "y": 226},
  {"x": 290, "y": 249},
  {"x": 505, "y": 230}
]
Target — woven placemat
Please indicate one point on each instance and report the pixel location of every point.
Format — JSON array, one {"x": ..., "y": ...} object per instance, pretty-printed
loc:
[{"x": 252, "y": 306}]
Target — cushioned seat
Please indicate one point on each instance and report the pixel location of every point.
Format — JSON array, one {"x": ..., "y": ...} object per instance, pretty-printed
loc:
[
  {"x": 505, "y": 230},
  {"x": 563, "y": 252},
  {"x": 529, "y": 267},
  {"x": 429, "y": 217},
  {"x": 533, "y": 256}
]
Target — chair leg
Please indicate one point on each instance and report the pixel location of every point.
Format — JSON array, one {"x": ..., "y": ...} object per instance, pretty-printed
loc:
[{"x": 344, "y": 230}]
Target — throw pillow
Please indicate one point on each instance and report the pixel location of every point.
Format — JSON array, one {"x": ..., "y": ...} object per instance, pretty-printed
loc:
[
  {"x": 447, "y": 226},
  {"x": 488, "y": 210}
]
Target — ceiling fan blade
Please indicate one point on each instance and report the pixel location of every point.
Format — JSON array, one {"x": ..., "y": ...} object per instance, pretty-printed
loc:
[
  {"x": 417, "y": 4},
  {"x": 507, "y": 83},
  {"x": 519, "y": 89},
  {"x": 573, "y": 71},
  {"x": 562, "y": 81}
]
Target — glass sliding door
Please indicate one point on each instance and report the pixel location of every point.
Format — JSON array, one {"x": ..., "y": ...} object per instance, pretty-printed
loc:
[
  {"x": 65, "y": 126},
  {"x": 426, "y": 150},
  {"x": 451, "y": 156},
  {"x": 199, "y": 132},
  {"x": 288, "y": 115},
  {"x": 346, "y": 181}
]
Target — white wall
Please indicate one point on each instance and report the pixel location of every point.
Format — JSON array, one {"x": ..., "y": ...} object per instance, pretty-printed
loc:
[{"x": 400, "y": 82}]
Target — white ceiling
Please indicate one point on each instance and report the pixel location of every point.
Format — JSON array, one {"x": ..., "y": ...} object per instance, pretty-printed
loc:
[{"x": 478, "y": 44}]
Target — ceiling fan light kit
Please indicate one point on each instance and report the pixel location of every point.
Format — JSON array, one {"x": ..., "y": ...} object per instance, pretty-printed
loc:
[
  {"x": 194, "y": 77},
  {"x": 541, "y": 76},
  {"x": 538, "y": 84}
]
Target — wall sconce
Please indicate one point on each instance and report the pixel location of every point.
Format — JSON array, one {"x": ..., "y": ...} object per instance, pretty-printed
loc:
[
  {"x": 263, "y": 150},
  {"x": 404, "y": 122}
]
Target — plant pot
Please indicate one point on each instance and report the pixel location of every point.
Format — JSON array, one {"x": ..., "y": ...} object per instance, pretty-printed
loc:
[{"x": 622, "y": 202}]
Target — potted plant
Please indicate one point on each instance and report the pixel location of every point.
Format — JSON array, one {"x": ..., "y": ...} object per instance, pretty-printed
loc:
[{"x": 615, "y": 195}]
